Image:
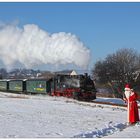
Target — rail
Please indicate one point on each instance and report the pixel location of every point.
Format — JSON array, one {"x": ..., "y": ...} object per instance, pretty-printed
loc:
[{"x": 108, "y": 103}]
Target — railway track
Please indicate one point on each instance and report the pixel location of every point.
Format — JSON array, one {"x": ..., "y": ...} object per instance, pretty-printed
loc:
[
  {"x": 109, "y": 103},
  {"x": 4, "y": 95}
]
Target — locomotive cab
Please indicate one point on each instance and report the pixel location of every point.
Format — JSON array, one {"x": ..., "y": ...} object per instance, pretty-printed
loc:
[{"x": 88, "y": 91}]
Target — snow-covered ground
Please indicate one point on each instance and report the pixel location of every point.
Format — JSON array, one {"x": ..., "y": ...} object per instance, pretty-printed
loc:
[{"x": 26, "y": 116}]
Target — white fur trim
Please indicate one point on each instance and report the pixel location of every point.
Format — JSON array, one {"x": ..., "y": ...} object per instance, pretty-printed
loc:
[{"x": 127, "y": 89}]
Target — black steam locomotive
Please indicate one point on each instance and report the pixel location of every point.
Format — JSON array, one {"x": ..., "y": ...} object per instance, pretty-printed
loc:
[{"x": 79, "y": 87}]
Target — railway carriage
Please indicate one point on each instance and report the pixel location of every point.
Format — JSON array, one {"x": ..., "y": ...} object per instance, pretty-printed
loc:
[
  {"x": 4, "y": 85},
  {"x": 17, "y": 86},
  {"x": 38, "y": 86}
]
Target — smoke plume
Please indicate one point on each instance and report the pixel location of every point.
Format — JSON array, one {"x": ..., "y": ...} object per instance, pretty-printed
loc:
[{"x": 32, "y": 46}]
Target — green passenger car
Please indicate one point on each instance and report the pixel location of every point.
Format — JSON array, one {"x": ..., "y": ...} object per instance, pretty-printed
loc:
[
  {"x": 16, "y": 85},
  {"x": 37, "y": 86},
  {"x": 3, "y": 85}
]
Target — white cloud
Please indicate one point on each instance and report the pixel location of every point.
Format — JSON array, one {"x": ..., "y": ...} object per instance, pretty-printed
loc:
[{"x": 32, "y": 46}]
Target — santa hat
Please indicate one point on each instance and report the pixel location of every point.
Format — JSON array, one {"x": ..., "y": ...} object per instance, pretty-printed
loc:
[{"x": 128, "y": 87}]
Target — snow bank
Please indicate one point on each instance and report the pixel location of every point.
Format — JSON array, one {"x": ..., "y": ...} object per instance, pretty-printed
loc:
[{"x": 108, "y": 130}]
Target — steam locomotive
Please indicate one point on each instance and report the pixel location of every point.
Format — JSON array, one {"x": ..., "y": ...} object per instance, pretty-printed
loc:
[{"x": 79, "y": 87}]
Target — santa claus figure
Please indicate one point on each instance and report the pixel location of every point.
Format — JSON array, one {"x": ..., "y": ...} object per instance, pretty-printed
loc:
[{"x": 132, "y": 107}]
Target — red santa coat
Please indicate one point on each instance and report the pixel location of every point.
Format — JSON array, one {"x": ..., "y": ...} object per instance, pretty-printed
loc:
[{"x": 133, "y": 114}]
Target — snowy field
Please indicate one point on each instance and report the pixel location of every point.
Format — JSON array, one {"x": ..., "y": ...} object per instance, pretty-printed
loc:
[{"x": 26, "y": 116}]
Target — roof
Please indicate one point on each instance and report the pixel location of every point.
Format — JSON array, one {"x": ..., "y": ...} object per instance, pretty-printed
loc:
[{"x": 66, "y": 72}]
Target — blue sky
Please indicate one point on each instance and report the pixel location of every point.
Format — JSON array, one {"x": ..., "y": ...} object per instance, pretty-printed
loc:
[{"x": 102, "y": 27}]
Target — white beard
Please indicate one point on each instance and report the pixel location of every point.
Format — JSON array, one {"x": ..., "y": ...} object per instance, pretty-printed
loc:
[{"x": 127, "y": 94}]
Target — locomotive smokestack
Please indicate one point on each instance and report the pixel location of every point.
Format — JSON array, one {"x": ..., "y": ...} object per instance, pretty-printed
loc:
[{"x": 86, "y": 75}]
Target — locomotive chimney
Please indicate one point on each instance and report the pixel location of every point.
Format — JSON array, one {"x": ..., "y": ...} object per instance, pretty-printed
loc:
[{"x": 86, "y": 75}]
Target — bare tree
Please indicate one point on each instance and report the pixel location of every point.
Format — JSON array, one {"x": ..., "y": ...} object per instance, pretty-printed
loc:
[{"x": 118, "y": 69}]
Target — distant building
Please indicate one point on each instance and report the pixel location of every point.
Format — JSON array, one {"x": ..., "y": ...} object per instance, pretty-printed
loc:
[
  {"x": 73, "y": 73},
  {"x": 44, "y": 75},
  {"x": 66, "y": 72}
]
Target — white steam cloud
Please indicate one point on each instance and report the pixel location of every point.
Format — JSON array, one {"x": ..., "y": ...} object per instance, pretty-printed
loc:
[{"x": 32, "y": 46}]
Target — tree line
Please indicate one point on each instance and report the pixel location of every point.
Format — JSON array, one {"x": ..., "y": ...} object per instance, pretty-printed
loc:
[{"x": 117, "y": 69}]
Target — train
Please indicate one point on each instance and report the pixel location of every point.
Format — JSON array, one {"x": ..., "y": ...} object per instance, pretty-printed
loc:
[{"x": 79, "y": 87}]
